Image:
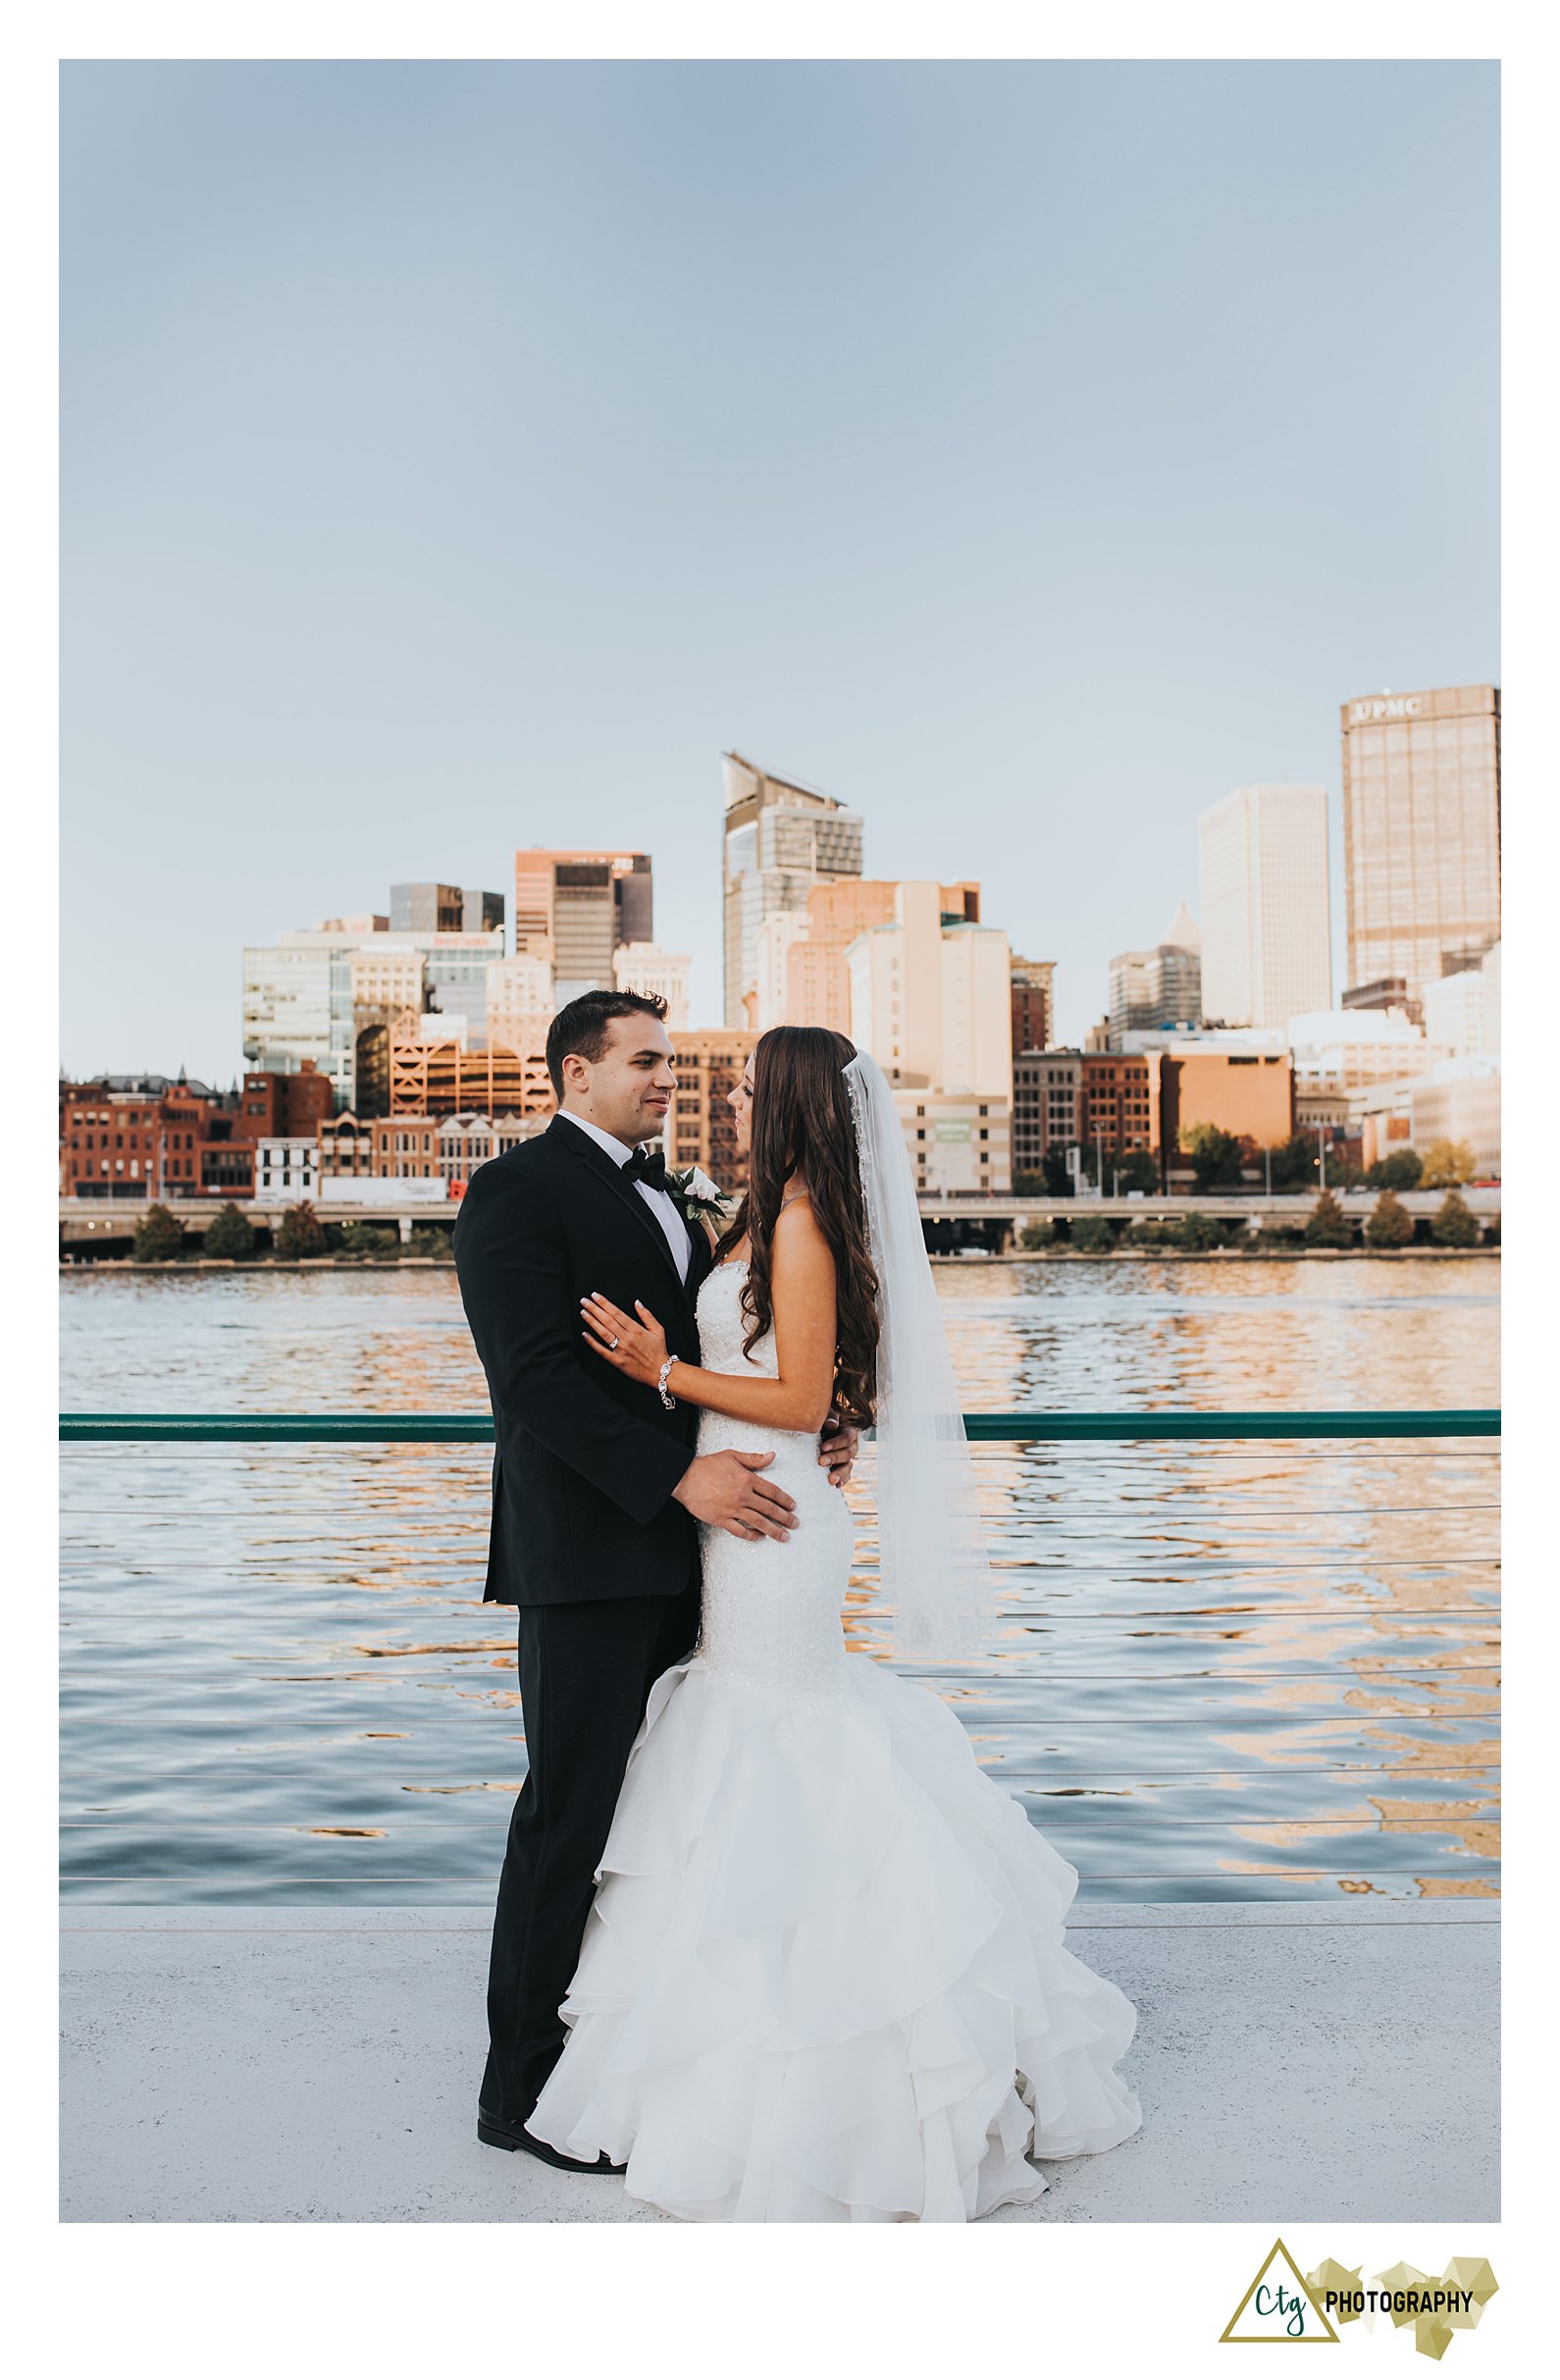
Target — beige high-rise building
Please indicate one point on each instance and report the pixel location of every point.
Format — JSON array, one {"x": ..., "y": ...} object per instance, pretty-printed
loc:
[
  {"x": 780, "y": 841},
  {"x": 386, "y": 979},
  {"x": 818, "y": 976},
  {"x": 931, "y": 999},
  {"x": 1421, "y": 833},
  {"x": 388, "y": 974},
  {"x": 644, "y": 967},
  {"x": 977, "y": 1011},
  {"x": 932, "y": 1002},
  {"x": 804, "y": 978},
  {"x": 778, "y": 936},
  {"x": 1266, "y": 931},
  {"x": 520, "y": 1001},
  {"x": 576, "y": 907}
]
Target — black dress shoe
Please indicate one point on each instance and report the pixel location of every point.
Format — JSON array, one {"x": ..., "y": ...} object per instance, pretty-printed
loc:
[{"x": 497, "y": 2134}]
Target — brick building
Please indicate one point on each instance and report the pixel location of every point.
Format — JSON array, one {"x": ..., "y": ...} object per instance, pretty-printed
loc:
[
  {"x": 227, "y": 1159},
  {"x": 447, "y": 1148},
  {"x": 127, "y": 1141},
  {"x": 1127, "y": 1100},
  {"x": 467, "y": 1141},
  {"x": 284, "y": 1107},
  {"x": 1117, "y": 1105},
  {"x": 153, "y": 1138},
  {"x": 1045, "y": 1106},
  {"x": 1032, "y": 1012},
  {"x": 404, "y": 1149},
  {"x": 701, "y": 1129}
]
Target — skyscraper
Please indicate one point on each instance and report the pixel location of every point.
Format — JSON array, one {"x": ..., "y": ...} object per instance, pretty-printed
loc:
[
  {"x": 931, "y": 1001},
  {"x": 1421, "y": 833},
  {"x": 1266, "y": 936},
  {"x": 804, "y": 978},
  {"x": 644, "y": 967},
  {"x": 443, "y": 909},
  {"x": 780, "y": 840},
  {"x": 298, "y": 1005},
  {"x": 574, "y": 908},
  {"x": 519, "y": 994},
  {"x": 1159, "y": 986}
]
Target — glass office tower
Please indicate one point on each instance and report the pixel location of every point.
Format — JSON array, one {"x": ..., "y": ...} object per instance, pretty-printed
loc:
[
  {"x": 779, "y": 841},
  {"x": 1421, "y": 833}
]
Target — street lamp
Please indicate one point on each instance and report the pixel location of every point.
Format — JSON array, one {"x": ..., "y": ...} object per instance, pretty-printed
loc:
[{"x": 1322, "y": 1154}]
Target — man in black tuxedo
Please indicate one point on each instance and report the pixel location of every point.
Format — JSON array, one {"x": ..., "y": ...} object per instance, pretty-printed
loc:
[{"x": 595, "y": 1492}]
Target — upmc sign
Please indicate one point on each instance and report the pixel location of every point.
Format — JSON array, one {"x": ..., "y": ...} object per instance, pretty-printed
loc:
[{"x": 1386, "y": 707}]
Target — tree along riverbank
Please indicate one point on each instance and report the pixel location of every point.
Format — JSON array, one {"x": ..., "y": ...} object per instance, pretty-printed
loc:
[
  {"x": 180, "y": 1266},
  {"x": 230, "y": 1240},
  {"x": 1202, "y": 1255}
]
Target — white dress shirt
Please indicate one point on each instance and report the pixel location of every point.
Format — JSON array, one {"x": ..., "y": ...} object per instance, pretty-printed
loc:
[{"x": 658, "y": 1201}]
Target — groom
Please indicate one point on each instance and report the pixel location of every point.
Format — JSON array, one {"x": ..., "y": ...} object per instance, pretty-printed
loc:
[{"x": 595, "y": 1492}]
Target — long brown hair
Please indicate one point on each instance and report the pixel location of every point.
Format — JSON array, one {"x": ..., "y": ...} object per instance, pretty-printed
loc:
[{"x": 802, "y": 1125}]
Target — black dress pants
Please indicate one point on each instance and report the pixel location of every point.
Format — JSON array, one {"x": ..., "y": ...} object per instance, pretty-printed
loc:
[{"x": 586, "y": 1671}]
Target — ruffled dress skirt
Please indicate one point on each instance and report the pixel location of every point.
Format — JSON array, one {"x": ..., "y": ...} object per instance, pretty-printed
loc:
[{"x": 824, "y": 1976}]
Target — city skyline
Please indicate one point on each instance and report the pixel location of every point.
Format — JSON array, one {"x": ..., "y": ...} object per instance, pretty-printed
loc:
[
  {"x": 413, "y": 511},
  {"x": 1291, "y": 909}
]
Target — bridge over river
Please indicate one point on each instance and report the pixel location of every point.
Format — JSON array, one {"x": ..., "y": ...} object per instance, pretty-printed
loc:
[{"x": 989, "y": 1220}]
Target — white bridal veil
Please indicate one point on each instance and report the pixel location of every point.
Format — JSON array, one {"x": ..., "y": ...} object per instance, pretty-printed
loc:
[{"x": 932, "y": 1549}]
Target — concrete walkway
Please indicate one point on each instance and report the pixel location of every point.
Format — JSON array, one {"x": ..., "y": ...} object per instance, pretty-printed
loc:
[{"x": 1296, "y": 2061}]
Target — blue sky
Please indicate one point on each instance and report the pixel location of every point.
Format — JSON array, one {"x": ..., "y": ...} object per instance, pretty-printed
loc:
[{"x": 459, "y": 456}]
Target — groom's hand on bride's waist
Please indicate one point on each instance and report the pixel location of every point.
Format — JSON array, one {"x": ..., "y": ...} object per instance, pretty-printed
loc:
[
  {"x": 726, "y": 1491},
  {"x": 837, "y": 1449}
]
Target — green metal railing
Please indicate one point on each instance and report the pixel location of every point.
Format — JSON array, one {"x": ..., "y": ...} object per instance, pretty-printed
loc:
[{"x": 476, "y": 1429}]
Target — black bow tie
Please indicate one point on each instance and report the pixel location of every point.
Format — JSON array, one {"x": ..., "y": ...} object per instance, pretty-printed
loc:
[{"x": 647, "y": 1165}]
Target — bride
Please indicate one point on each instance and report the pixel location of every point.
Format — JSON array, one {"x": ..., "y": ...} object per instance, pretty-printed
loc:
[{"x": 824, "y": 1976}]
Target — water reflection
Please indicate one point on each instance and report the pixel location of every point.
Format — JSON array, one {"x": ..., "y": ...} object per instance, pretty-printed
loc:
[{"x": 1260, "y": 1670}]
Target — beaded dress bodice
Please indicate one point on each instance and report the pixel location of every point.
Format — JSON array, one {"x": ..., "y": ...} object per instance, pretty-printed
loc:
[{"x": 772, "y": 1610}]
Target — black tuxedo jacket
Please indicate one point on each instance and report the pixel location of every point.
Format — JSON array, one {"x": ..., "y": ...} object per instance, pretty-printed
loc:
[{"x": 585, "y": 1460}]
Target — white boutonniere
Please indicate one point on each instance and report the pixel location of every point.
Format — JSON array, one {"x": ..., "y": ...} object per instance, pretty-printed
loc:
[{"x": 698, "y": 1195}]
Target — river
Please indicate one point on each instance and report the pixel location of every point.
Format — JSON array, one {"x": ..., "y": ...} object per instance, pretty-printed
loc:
[{"x": 1231, "y": 1671}]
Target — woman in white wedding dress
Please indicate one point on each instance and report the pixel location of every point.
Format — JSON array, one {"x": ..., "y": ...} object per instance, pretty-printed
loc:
[{"x": 824, "y": 1976}]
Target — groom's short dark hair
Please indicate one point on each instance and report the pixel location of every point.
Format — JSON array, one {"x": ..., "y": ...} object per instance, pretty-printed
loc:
[{"x": 580, "y": 1029}]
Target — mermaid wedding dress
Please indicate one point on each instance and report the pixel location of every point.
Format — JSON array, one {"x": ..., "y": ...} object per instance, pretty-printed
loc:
[{"x": 823, "y": 1979}]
